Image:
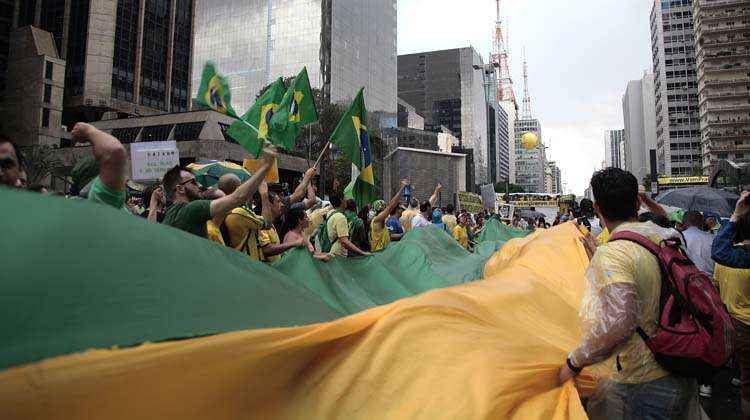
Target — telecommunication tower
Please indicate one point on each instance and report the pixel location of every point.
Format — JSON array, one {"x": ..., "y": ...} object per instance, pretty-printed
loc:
[
  {"x": 499, "y": 60},
  {"x": 526, "y": 113}
]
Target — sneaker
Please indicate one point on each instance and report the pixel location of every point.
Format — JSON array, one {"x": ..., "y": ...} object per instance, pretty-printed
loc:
[
  {"x": 705, "y": 391},
  {"x": 736, "y": 382}
]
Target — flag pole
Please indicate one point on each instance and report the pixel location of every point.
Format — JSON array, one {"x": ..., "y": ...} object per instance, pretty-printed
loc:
[{"x": 322, "y": 152}]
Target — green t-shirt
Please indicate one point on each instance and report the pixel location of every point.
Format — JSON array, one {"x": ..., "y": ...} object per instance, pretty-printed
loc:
[
  {"x": 190, "y": 217},
  {"x": 101, "y": 193}
]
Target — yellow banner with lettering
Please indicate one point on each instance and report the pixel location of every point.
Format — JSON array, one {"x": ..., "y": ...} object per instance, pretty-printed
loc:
[
  {"x": 681, "y": 180},
  {"x": 469, "y": 201}
]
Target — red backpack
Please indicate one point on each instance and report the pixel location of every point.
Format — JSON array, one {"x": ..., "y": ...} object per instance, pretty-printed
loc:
[{"x": 695, "y": 335}]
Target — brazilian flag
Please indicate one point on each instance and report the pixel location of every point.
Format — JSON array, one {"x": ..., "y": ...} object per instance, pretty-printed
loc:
[
  {"x": 352, "y": 138},
  {"x": 214, "y": 91},
  {"x": 297, "y": 109},
  {"x": 253, "y": 127}
]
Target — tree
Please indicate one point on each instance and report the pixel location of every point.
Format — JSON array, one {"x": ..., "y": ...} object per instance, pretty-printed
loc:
[
  {"x": 41, "y": 162},
  {"x": 512, "y": 188}
]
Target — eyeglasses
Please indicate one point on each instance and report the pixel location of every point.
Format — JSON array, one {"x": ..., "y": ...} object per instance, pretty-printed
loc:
[{"x": 191, "y": 180}]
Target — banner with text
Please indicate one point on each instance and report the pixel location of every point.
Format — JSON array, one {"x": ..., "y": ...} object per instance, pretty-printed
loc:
[
  {"x": 469, "y": 201},
  {"x": 151, "y": 160}
]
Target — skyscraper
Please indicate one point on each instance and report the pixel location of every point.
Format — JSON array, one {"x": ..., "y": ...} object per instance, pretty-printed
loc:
[
  {"x": 640, "y": 125},
  {"x": 345, "y": 45},
  {"x": 612, "y": 140},
  {"x": 722, "y": 31},
  {"x": 121, "y": 57},
  {"x": 447, "y": 88},
  {"x": 530, "y": 164},
  {"x": 678, "y": 148}
]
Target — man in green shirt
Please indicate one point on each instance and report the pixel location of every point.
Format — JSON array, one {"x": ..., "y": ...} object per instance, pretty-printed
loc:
[
  {"x": 189, "y": 212},
  {"x": 109, "y": 187}
]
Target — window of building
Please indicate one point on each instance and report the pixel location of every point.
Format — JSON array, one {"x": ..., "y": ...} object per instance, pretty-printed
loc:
[
  {"x": 45, "y": 117},
  {"x": 188, "y": 131},
  {"x": 47, "y": 93},
  {"x": 48, "y": 69},
  {"x": 126, "y": 37},
  {"x": 156, "y": 132},
  {"x": 126, "y": 135}
]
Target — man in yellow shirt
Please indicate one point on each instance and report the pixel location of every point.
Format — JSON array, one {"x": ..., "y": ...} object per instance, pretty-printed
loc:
[
  {"x": 379, "y": 235},
  {"x": 408, "y": 214},
  {"x": 268, "y": 238},
  {"x": 461, "y": 233},
  {"x": 337, "y": 229},
  {"x": 449, "y": 220},
  {"x": 624, "y": 287}
]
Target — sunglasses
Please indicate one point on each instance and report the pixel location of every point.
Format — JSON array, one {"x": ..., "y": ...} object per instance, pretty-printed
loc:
[{"x": 189, "y": 181}]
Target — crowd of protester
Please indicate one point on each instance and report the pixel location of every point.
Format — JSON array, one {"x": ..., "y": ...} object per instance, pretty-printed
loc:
[{"x": 624, "y": 278}]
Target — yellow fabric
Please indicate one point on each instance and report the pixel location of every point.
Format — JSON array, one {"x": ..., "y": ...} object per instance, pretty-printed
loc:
[
  {"x": 269, "y": 237},
  {"x": 243, "y": 226},
  {"x": 734, "y": 285},
  {"x": 337, "y": 226},
  {"x": 406, "y": 217},
  {"x": 379, "y": 237},
  {"x": 603, "y": 237},
  {"x": 461, "y": 235},
  {"x": 316, "y": 218},
  {"x": 450, "y": 221},
  {"x": 627, "y": 262},
  {"x": 482, "y": 350},
  {"x": 253, "y": 165},
  {"x": 214, "y": 233}
]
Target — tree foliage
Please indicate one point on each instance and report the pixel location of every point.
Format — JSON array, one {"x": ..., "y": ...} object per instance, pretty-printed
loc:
[
  {"x": 41, "y": 162},
  {"x": 512, "y": 188}
]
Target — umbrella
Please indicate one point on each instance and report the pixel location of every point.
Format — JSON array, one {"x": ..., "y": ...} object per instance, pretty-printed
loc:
[
  {"x": 700, "y": 199},
  {"x": 530, "y": 214},
  {"x": 208, "y": 174}
]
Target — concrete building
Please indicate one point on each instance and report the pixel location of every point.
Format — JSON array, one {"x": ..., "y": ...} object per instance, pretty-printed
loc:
[
  {"x": 512, "y": 112},
  {"x": 504, "y": 138},
  {"x": 530, "y": 164},
  {"x": 344, "y": 44},
  {"x": 34, "y": 93},
  {"x": 425, "y": 169},
  {"x": 612, "y": 149},
  {"x": 407, "y": 116},
  {"x": 553, "y": 178},
  {"x": 678, "y": 148},
  {"x": 639, "y": 136},
  {"x": 447, "y": 88},
  {"x": 722, "y": 31},
  {"x": 122, "y": 57}
]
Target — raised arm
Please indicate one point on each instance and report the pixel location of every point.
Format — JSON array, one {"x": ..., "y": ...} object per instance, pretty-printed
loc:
[
  {"x": 109, "y": 153},
  {"x": 312, "y": 198},
  {"x": 434, "y": 197},
  {"x": 265, "y": 203},
  {"x": 383, "y": 215},
  {"x": 156, "y": 204},
  {"x": 299, "y": 192},
  {"x": 723, "y": 250},
  {"x": 221, "y": 206},
  {"x": 652, "y": 205}
]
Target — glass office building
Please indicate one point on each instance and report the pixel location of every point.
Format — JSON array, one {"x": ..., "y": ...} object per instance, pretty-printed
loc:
[{"x": 345, "y": 44}]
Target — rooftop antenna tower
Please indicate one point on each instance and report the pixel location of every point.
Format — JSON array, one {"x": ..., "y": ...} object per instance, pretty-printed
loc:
[
  {"x": 499, "y": 60},
  {"x": 526, "y": 113}
]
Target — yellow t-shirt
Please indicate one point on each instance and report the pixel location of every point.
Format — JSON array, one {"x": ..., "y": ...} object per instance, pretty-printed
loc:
[
  {"x": 406, "y": 217},
  {"x": 450, "y": 222},
  {"x": 379, "y": 237},
  {"x": 214, "y": 233},
  {"x": 627, "y": 262},
  {"x": 316, "y": 218},
  {"x": 243, "y": 226},
  {"x": 337, "y": 227},
  {"x": 461, "y": 235},
  {"x": 604, "y": 236},
  {"x": 266, "y": 237},
  {"x": 734, "y": 286}
]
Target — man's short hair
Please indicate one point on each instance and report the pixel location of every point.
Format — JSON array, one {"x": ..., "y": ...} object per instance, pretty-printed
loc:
[
  {"x": 616, "y": 193},
  {"x": 170, "y": 181},
  {"x": 450, "y": 209},
  {"x": 425, "y": 206},
  {"x": 19, "y": 154},
  {"x": 414, "y": 203},
  {"x": 228, "y": 183},
  {"x": 693, "y": 218},
  {"x": 336, "y": 199},
  {"x": 351, "y": 205}
]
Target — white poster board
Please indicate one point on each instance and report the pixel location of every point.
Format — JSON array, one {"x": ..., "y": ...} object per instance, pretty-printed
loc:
[
  {"x": 488, "y": 196},
  {"x": 506, "y": 211},
  {"x": 151, "y": 160}
]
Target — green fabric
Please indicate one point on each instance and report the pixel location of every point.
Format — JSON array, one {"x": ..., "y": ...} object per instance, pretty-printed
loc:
[
  {"x": 494, "y": 235},
  {"x": 82, "y": 173},
  {"x": 190, "y": 217},
  {"x": 78, "y": 276},
  {"x": 356, "y": 229},
  {"x": 297, "y": 108},
  {"x": 252, "y": 129},
  {"x": 101, "y": 193},
  {"x": 208, "y": 175},
  {"x": 214, "y": 91}
]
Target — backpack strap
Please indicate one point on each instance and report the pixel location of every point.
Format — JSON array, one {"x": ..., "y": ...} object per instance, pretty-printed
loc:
[{"x": 638, "y": 239}]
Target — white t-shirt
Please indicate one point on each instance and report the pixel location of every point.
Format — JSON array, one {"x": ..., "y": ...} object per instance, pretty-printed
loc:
[
  {"x": 698, "y": 246},
  {"x": 418, "y": 221}
]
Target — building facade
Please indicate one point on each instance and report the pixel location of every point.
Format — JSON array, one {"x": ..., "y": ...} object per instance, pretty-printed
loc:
[
  {"x": 122, "y": 57},
  {"x": 678, "y": 146},
  {"x": 552, "y": 178},
  {"x": 612, "y": 141},
  {"x": 407, "y": 116},
  {"x": 425, "y": 168},
  {"x": 530, "y": 164},
  {"x": 511, "y": 111},
  {"x": 639, "y": 113},
  {"x": 722, "y": 30},
  {"x": 447, "y": 88},
  {"x": 504, "y": 137},
  {"x": 345, "y": 44}
]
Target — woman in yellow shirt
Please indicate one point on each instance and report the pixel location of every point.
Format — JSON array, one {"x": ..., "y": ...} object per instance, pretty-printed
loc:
[
  {"x": 379, "y": 236},
  {"x": 460, "y": 233}
]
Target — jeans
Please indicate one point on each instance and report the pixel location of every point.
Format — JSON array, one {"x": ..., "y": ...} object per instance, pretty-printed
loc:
[{"x": 663, "y": 399}]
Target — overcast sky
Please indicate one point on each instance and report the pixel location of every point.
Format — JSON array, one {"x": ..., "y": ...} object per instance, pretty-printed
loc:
[{"x": 581, "y": 54}]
